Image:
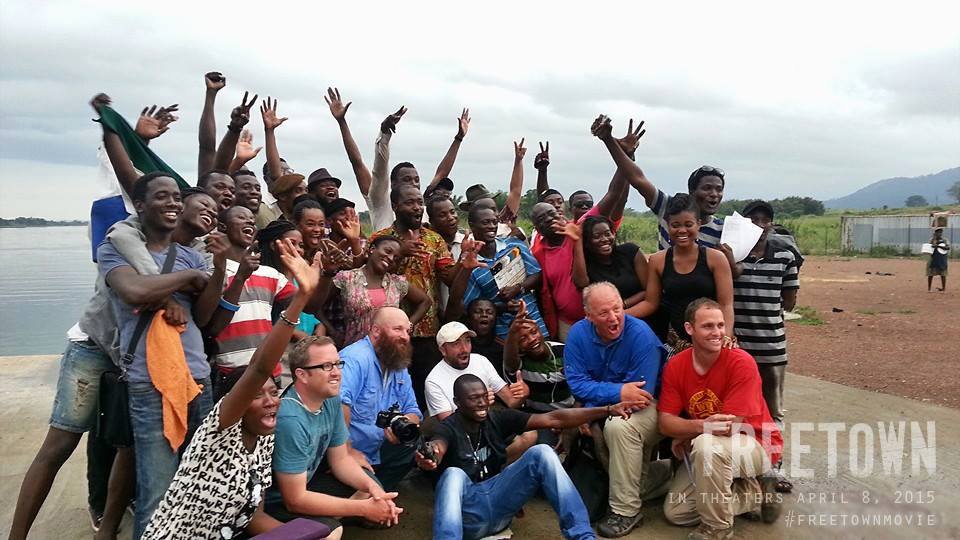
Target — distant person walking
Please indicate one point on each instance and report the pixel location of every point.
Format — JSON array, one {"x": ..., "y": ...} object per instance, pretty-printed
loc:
[{"x": 937, "y": 265}]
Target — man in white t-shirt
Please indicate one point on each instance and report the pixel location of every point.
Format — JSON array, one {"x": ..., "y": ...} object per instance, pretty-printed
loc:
[{"x": 454, "y": 342}]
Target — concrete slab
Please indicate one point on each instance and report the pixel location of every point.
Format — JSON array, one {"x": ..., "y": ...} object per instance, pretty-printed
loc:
[{"x": 818, "y": 507}]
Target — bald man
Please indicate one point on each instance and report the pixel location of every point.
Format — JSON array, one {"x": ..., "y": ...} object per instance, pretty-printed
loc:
[{"x": 375, "y": 378}]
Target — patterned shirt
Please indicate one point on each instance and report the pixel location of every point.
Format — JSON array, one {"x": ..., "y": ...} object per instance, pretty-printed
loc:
[
  {"x": 424, "y": 272},
  {"x": 758, "y": 307},
  {"x": 356, "y": 303},
  {"x": 709, "y": 232},
  {"x": 218, "y": 484}
]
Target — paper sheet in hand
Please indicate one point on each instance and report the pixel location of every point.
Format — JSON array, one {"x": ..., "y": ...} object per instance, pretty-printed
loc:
[
  {"x": 926, "y": 248},
  {"x": 509, "y": 269},
  {"x": 740, "y": 234}
]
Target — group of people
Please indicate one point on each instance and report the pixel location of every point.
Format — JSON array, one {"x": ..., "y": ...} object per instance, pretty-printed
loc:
[{"x": 476, "y": 355}]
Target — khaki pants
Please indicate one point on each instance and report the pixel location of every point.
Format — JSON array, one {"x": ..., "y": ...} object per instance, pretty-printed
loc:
[
  {"x": 631, "y": 477},
  {"x": 724, "y": 481}
]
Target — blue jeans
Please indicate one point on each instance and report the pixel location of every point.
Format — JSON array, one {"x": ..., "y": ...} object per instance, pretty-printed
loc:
[
  {"x": 464, "y": 509},
  {"x": 75, "y": 403},
  {"x": 156, "y": 462}
]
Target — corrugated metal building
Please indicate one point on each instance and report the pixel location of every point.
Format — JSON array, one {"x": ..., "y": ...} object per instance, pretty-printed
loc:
[{"x": 860, "y": 234}]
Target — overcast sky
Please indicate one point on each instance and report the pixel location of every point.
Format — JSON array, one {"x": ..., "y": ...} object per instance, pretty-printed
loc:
[{"x": 818, "y": 102}]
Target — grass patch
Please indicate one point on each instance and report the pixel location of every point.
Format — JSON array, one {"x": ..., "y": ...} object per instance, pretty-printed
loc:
[
  {"x": 874, "y": 312},
  {"x": 809, "y": 316},
  {"x": 869, "y": 312},
  {"x": 906, "y": 312}
]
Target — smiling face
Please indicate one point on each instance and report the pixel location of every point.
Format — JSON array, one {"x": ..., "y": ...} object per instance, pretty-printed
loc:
[
  {"x": 601, "y": 240},
  {"x": 605, "y": 310},
  {"x": 443, "y": 216},
  {"x": 325, "y": 190},
  {"x": 409, "y": 207},
  {"x": 318, "y": 382},
  {"x": 240, "y": 226},
  {"x": 311, "y": 226},
  {"x": 580, "y": 204},
  {"x": 199, "y": 214},
  {"x": 683, "y": 228},
  {"x": 471, "y": 401},
  {"x": 457, "y": 353},
  {"x": 383, "y": 256},
  {"x": 707, "y": 330},
  {"x": 222, "y": 188},
  {"x": 297, "y": 240},
  {"x": 261, "y": 416},
  {"x": 709, "y": 194},
  {"x": 544, "y": 216},
  {"x": 482, "y": 317},
  {"x": 531, "y": 340},
  {"x": 161, "y": 207},
  {"x": 248, "y": 192},
  {"x": 483, "y": 225}
]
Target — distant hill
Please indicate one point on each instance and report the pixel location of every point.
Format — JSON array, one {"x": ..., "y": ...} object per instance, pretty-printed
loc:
[
  {"x": 37, "y": 222},
  {"x": 892, "y": 192}
]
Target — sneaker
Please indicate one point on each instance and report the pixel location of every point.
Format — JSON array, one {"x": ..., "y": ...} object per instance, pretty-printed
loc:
[
  {"x": 705, "y": 532},
  {"x": 615, "y": 525},
  {"x": 95, "y": 518}
]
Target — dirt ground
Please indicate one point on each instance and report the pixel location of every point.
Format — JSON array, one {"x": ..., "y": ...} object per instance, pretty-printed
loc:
[{"x": 891, "y": 337}]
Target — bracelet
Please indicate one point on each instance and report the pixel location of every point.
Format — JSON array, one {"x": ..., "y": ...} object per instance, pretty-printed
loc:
[
  {"x": 229, "y": 306},
  {"x": 234, "y": 129},
  {"x": 458, "y": 138},
  {"x": 286, "y": 321},
  {"x": 609, "y": 414}
]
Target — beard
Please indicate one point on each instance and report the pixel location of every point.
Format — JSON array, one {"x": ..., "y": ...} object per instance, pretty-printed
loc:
[{"x": 394, "y": 354}]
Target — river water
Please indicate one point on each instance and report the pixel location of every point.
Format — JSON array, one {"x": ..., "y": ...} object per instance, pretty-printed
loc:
[{"x": 46, "y": 279}]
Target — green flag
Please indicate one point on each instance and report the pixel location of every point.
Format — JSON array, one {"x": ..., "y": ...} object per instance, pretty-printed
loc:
[{"x": 144, "y": 159}]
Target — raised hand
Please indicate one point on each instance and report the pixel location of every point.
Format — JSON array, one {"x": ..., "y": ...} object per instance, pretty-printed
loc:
[
  {"x": 306, "y": 274},
  {"x": 337, "y": 108},
  {"x": 602, "y": 128},
  {"x": 98, "y": 101},
  {"x": 245, "y": 149},
  {"x": 411, "y": 246},
  {"x": 518, "y": 149},
  {"x": 389, "y": 124},
  {"x": 332, "y": 256},
  {"x": 463, "y": 124},
  {"x": 570, "y": 229},
  {"x": 348, "y": 226},
  {"x": 268, "y": 111},
  {"x": 542, "y": 160},
  {"x": 469, "y": 253},
  {"x": 631, "y": 140},
  {"x": 249, "y": 262},
  {"x": 217, "y": 245},
  {"x": 154, "y": 122},
  {"x": 241, "y": 113},
  {"x": 519, "y": 390},
  {"x": 215, "y": 81}
]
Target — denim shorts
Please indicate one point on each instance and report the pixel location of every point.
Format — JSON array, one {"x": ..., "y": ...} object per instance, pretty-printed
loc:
[{"x": 75, "y": 404}]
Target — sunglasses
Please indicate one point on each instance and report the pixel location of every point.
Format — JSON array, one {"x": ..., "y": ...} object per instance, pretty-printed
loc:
[
  {"x": 707, "y": 170},
  {"x": 584, "y": 204},
  {"x": 326, "y": 366}
]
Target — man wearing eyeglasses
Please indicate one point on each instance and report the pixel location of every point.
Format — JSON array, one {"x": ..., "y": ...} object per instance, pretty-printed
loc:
[{"x": 314, "y": 475}]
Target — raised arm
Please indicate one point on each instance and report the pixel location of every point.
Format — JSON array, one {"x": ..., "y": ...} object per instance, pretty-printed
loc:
[
  {"x": 207, "y": 305},
  {"x": 540, "y": 163},
  {"x": 268, "y": 354},
  {"x": 615, "y": 199},
  {"x": 516, "y": 180},
  {"x": 469, "y": 251},
  {"x": 446, "y": 164},
  {"x": 248, "y": 265},
  {"x": 380, "y": 180},
  {"x": 245, "y": 151},
  {"x": 239, "y": 117},
  {"x": 268, "y": 110},
  {"x": 207, "y": 134},
  {"x": 339, "y": 112},
  {"x": 603, "y": 130}
]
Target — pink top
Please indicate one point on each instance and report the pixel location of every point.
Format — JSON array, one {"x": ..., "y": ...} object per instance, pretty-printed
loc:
[{"x": 378, "y": 297}]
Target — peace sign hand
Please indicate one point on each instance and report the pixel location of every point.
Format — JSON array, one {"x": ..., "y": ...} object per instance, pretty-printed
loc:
[
  {"x": 519, "y": 150},
  {"x": 241, "y": 113},
  {"x": 631, "y": 140},
  {"x": 542, "y": 160}
]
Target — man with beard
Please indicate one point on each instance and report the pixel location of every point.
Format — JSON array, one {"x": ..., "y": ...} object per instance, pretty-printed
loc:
[
  {"x": 426, "y": 262},
  {"x": 219, "y": 185},
  {"x": 252, "y": 291},
  {"x": 376, "y": 379}
]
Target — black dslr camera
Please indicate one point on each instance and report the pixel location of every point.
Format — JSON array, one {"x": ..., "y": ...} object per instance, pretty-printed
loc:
[{"x": 406, "y": 431}]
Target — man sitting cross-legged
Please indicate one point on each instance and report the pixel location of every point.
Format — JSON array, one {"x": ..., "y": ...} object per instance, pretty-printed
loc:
[
  {"x": 727, "y": 438},
  {"x": 474, "y": 496}
]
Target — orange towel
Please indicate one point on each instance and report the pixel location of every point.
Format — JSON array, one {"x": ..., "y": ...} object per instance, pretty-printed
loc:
[{"x": 170, "y": 375}]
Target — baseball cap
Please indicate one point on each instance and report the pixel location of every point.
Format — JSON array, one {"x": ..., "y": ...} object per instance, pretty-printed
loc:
[
  {"x": 753, "y": 206},
  {"x": 453, "y": 331}
]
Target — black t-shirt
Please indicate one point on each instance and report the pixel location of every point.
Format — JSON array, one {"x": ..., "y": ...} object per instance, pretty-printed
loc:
[
  {"x": 493, "y": 350},
  {"x": 481, "y": 456},
  {"x": 621, "y": 271}
]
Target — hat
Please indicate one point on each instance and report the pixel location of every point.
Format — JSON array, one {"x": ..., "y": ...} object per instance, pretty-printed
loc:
[
  {"x": 337, "y": 205},
  {"x": 446, "y": 184},
  {"x": 475, "y": 193},
  {"x": 453, "y": 331},
  {"x": 321, "y": 175},
  {"x": 758, "y": 205},
  {"x": 285, "y": 183},
  {"x": 548, "y": 192}
]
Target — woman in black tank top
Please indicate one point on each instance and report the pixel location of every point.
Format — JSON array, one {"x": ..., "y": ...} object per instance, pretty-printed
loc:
[{"x": 684, "y": 272}]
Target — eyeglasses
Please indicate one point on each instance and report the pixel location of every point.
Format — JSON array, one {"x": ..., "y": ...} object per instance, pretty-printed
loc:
[{"x": 328, "y": 366}]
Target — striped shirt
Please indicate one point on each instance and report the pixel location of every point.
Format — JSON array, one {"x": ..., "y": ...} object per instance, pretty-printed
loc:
[
  {"x": 548, "y": 385},
  {"x": 758, "y": 306},
  {"x": 709, "y": 232},
  {"x": 482, "y": 284},
  {"x": 253, "y": 321}
]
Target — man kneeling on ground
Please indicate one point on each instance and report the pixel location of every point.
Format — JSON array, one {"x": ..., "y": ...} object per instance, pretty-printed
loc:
[
  {"x": 727, "y": 440},
  {"x": 475, "y": 498}
]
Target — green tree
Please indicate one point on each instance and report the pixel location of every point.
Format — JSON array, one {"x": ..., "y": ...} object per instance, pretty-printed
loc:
[
  {"x": 954, "y": 191},
  {"x": 914, "y": 201}
]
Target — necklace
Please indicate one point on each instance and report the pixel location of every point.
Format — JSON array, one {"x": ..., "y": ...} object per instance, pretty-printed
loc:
[{"x": 476, "y": 458}]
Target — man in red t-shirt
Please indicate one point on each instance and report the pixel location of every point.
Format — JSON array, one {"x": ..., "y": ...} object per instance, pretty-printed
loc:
[{"x": 711, "y": 404}]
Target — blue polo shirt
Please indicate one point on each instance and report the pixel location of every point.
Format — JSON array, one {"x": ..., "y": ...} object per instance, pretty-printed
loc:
[
  {"x": 596, "y": 370},
  {"x": 367, "y": 391}
]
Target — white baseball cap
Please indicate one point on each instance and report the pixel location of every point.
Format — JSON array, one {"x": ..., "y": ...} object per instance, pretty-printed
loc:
[{"x": 453, "y": 331}]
